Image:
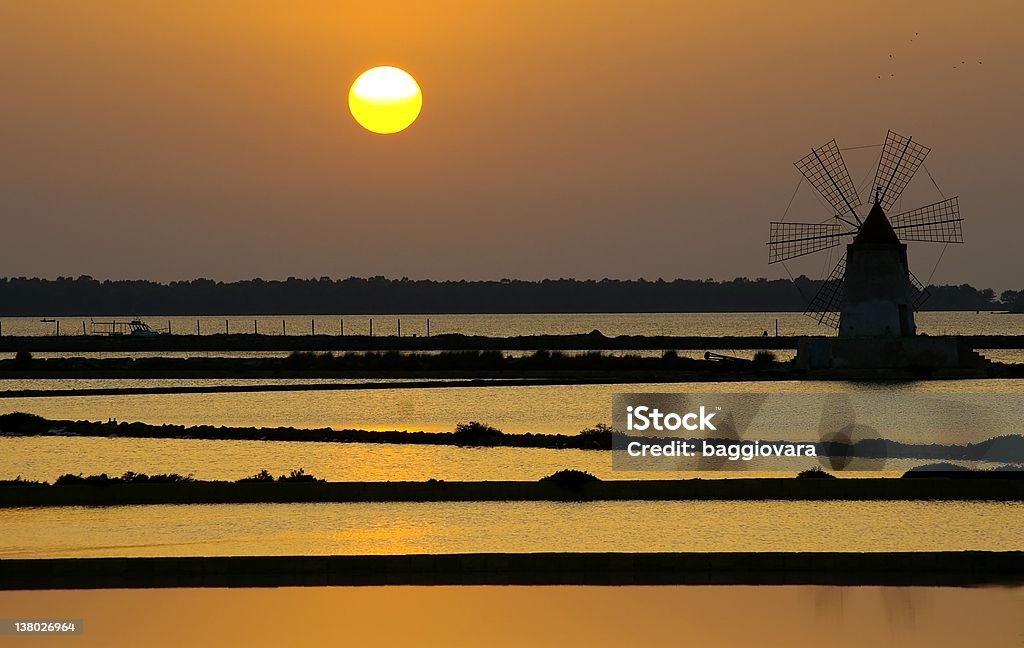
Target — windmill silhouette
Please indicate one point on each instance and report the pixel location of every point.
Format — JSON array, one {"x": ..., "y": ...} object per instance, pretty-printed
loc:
[{"x": 871, "y": 292}]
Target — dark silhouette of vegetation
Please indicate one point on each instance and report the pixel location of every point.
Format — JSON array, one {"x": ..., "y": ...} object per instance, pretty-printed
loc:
[
  {"x": 24, "y": 424},
  {"x": 570, "y": 478},
  {"x": 85, "y": 296},
  {"x": 413, "y": 363},
  {"x": 815, "y": 473},
  {"x": 262, "y": 476},
  {"x": 475, "y": 433},
  {"x": 955, "y": 471},
  {"x": 128, "y": 478},
  {"x": 297, "y": 476},
  {"x": 764, "y": 358},
  {"x": 1013, "y": 300},
  {"x": 598, "y": 437},
  {"x": 18, "y": 481},
  {"x": 293, "y": 476}
]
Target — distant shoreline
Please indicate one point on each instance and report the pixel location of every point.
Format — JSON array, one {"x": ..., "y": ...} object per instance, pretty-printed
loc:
[{"x": 85, "y": 296}]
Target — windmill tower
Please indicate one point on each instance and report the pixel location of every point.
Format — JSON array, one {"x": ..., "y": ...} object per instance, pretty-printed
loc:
[{"x": 871, "y": 294}]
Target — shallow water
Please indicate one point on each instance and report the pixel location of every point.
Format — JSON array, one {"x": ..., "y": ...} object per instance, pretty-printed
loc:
[
  {"x": 548, "y": 409},
  {"x": 46, "y": 458},
  {"x": 458, "y": 527},
  {"x": 564, "y": 409}
]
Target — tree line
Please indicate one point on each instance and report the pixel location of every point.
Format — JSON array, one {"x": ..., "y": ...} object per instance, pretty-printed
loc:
[{"x": 84, "y": 295}]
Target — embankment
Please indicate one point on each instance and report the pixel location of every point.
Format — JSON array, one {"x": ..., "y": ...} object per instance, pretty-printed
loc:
[
  {"x": 946, "y": 568},
  {"x": 937, "y": 489}
]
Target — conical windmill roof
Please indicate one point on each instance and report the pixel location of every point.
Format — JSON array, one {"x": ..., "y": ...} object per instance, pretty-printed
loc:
[{"x": 876, "y": 228}]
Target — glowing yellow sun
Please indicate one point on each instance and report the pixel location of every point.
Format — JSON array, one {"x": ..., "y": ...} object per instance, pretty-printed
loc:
[{"x": 385, "y": 100}]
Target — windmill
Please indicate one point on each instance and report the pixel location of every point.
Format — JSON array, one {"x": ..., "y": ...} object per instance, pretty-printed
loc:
[{"x": 871, "y": 292}]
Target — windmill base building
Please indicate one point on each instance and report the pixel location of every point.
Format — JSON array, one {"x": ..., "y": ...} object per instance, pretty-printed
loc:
[{"x": 877, "y": 294}]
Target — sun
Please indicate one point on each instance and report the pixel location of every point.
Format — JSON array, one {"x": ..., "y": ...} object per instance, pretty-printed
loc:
[{"x": 385, "y": 100}]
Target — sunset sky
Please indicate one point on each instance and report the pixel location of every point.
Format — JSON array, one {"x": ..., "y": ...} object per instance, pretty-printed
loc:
[{"x": 583, "y": 138}]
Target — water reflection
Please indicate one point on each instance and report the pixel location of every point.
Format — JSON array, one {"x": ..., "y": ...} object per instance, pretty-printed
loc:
[
  {"x": 467, "y": 527},
  {"x": 723, "y": 617}
]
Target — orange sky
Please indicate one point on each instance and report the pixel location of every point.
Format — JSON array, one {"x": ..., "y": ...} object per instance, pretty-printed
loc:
[{"x": 576, "y": 138}]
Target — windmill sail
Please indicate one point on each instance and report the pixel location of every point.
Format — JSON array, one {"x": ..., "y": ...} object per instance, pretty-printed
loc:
[
  {"x": 826, "y": 170},
  {"x": 792, "y": 240},
  {"x": 900, "y": 160},
  {"x": 921, "y": 293},
  {"x": 936, "y": 223},
  {"x": 824, "y": 306}
]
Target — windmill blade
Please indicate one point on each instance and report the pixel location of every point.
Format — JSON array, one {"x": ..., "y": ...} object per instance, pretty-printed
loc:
[
  {"x": 791, "y": 240},
  {"x": 936, "y": 223},
  {"x": 826, "y": 170},
  {"x": 824, "y": 306},
  {"x": 900, "y": 160},
  {"x": 920, "y": 291}
]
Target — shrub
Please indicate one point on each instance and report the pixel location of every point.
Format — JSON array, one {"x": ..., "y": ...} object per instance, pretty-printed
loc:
[
  {"x": 476, "y": 433},
  {"x": 815, "y": 473},
  {"x": 22, "y": 423},
  {"x": 598, "y": 436},
  {"x": 297, "y": 476},
  {"x": 569, "y": 478},
  {"x": 764, "y": 358},
  {"x": 262, "y": 476}
]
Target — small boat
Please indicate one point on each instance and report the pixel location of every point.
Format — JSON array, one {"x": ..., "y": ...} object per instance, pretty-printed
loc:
[{"x": 134, "y": 328}]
